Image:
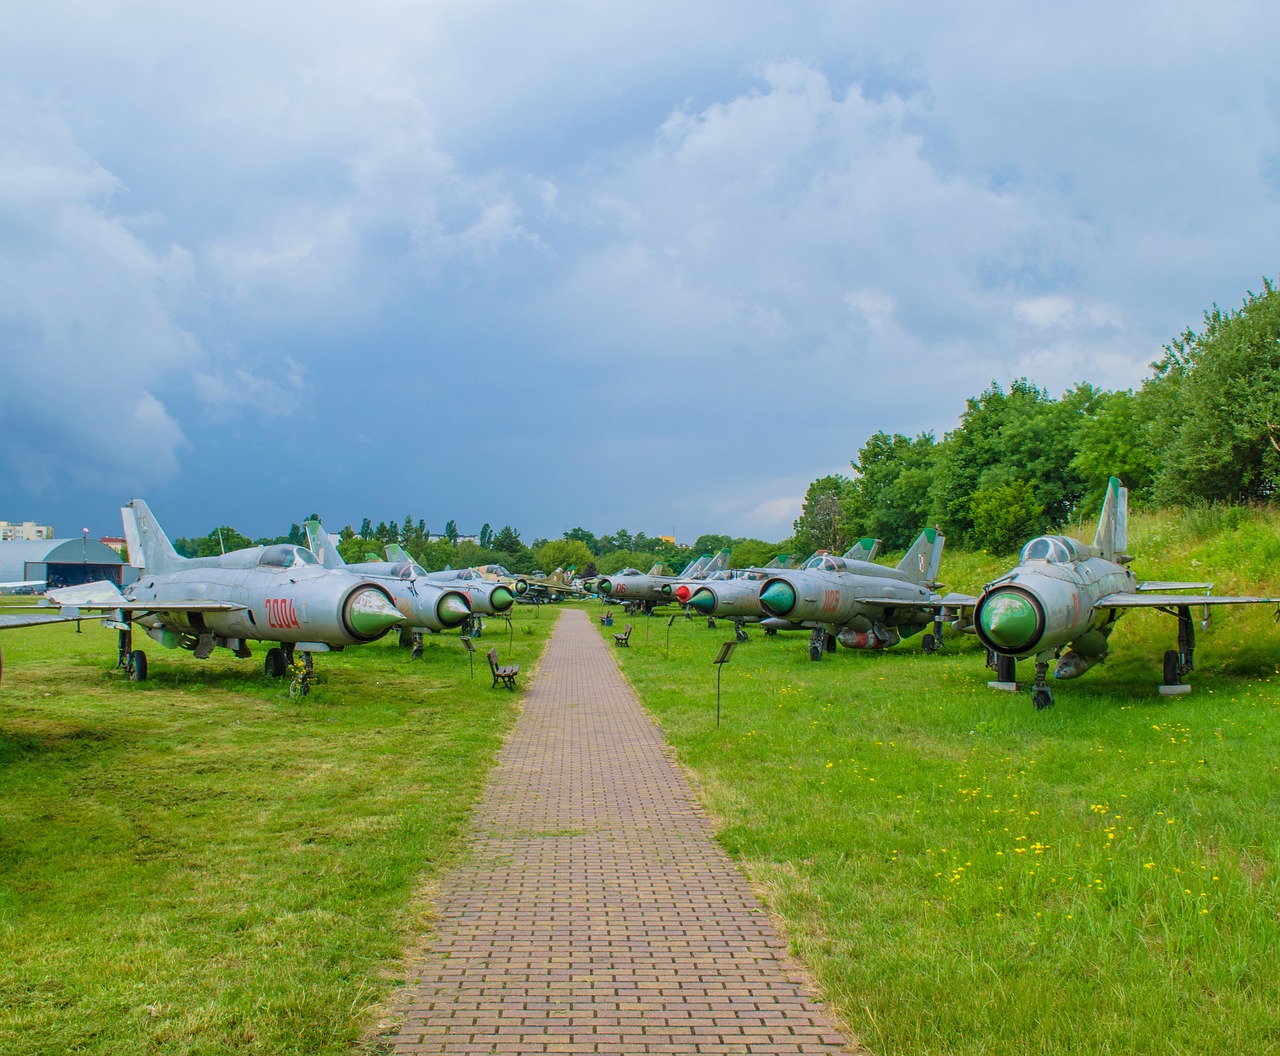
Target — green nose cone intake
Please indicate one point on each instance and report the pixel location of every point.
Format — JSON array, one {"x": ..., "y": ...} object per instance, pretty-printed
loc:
[
  {"x": 1009, "y": 620},
  {"x": 501, "y": 599},
  {"x": 452, "y": 609},
  {"x": 779, "y": 597},
  {"x": 704, "y": 601},
  {"x": 369, "y": 613},
  {"x": 603, "y": 587}
]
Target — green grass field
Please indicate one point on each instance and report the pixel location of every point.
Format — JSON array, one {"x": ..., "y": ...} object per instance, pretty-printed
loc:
[
  {"x": 198, "y": 864},
  {"x": 964, "y": 875}
]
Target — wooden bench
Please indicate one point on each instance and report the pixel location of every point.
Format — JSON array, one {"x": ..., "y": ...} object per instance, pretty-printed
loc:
[
  {"x": 504, "y": 673},
  {"x": 621, "y": 639}
]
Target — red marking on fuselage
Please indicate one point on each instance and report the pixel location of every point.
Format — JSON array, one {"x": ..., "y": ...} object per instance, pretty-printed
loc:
[
  {"x": 281, "y": 614},
  {"x": 830, "y": 600}
]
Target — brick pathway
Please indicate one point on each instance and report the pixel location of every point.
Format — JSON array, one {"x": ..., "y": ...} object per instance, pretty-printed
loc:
[{"x": 595, "y": 913}]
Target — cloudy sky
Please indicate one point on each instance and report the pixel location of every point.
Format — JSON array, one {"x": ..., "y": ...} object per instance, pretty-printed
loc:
[{"x": 653, "y": 266}]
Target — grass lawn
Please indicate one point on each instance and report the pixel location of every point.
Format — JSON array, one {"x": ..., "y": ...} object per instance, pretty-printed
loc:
[
  {"x": 964, "y": 875},
  {"x": 198, "y": 864}
]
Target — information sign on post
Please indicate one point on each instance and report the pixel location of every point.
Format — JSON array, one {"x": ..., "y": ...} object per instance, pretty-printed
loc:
[
  {"x": 722, "y": 658},
  {"x": 471, "y": 653}
]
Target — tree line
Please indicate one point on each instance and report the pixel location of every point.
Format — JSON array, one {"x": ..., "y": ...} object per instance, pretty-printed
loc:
[{"x": 1203, "y": 428}]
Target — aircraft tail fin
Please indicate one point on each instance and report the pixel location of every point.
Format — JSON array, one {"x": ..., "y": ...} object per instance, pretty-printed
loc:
[
  {"x": 693, "y": 566},
  {"x": 1113, "y": 526},
  {"x": 922, "y": 561},
  {"x": 149, "y": 547},
  {"x": 396, "y": 552},
  {"x": 719, "y": 562},
  {"x": 656, "y": 570},
  {"x": 864, "y": 549},
  {"x": 322, "y": 546}
]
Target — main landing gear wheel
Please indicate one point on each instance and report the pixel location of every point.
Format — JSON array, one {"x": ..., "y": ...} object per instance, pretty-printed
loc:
[
  {"x": 929, "y": 644},
  {"x": 711, "y": 623},
  {"x": 740, "y": 633},
  {"x": 828, "y": 642},
  {"x": 406, "y": 639},
  {"x": 415, "y": 651},
  {"x": 1172, "y": 677},
  {"x": 137, "y": 666},
  {"x": 275, "y": 665}
]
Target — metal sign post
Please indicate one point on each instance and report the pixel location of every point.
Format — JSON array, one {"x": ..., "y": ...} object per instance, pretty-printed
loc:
[
  {"x": 722, "y": 658},
  {"x": 667, "y": 655},
  {"x": 511, "y": 631},
  {"x": 471, "y": 653}
]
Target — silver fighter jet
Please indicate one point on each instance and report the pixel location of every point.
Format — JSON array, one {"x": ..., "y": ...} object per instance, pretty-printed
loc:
[
  {"x": 857, "y": 602},
  {"x": 1063, "y": 599},
  {"x": 276, "y": 593},
  {"x": 426, "y": 606}
]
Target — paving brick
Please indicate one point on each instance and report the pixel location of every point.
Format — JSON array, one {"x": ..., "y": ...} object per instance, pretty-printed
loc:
[{"x": 594, "y": 912}]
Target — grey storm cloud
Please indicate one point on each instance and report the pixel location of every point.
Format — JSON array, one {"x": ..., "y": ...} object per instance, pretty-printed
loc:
[{"x": 630, "y": 243}]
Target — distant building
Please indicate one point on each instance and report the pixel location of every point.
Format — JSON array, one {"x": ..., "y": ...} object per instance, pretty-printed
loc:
[
  {"x": 115, "y": 542},
  {"x": 63, "y": 562},
  {"x": 27, "y": 530}
]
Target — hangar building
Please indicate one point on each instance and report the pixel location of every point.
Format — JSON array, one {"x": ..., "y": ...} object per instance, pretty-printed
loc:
[{"x": 63, "y": 562}]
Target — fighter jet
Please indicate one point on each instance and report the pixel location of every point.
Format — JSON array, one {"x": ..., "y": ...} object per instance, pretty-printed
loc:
[
  {"x": 490, "y": 592},
  {"x": 426, "y": 606},
  {"x": 732, "y": 594},
  {"x": 857, "y": 602},
  {"x": 642, "y": 592},
  {"x": 1067, "y": 595},
  {"x": 276, "y": 593},
  {"x": 555, "y": 587}
]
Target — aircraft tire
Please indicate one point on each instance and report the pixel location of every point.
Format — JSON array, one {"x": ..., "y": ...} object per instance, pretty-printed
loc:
[
  {"x": 829, "y": 642},
  {"x": 815, "y": 652},
  {"x": 929, "y": 644},
  {"x": 137, "y": 666},
  {"x": 1006, "y": 668},
  {"x": 1042, "y": 698},
  {"x": 275, "y": 665},
  {"x": 416, "y": 652},
  {"x": 299, "y": 687},
  {"x": 711, "y": 623},
  {"x": 1171, "y": 676}
]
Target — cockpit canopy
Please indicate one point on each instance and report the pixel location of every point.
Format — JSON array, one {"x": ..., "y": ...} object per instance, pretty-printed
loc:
[
  {"x": 822, "y": 562},
  {"x": 408, "y": 570},
  {"x": 1054, "y": 549},
  {"x": 629, "y": 572},
  {"x": 285, "y": 555}
]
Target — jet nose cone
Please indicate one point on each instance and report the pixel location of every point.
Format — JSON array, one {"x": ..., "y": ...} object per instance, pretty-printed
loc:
[
  {"x": 1009, "y": 620},
  {"x": 452, "y": 608},
  {"x": 501, "y": 599},
  {"x": 602, "y": 588},
  {"x": 778, "y": 597},
  {"x": 682, "y": 593},
  {"x": 704, "y": 601},
  {"x": 665, "y": 590},
  {"x": 522, "y": 586},
  {"x": 370, "y": 614}
]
